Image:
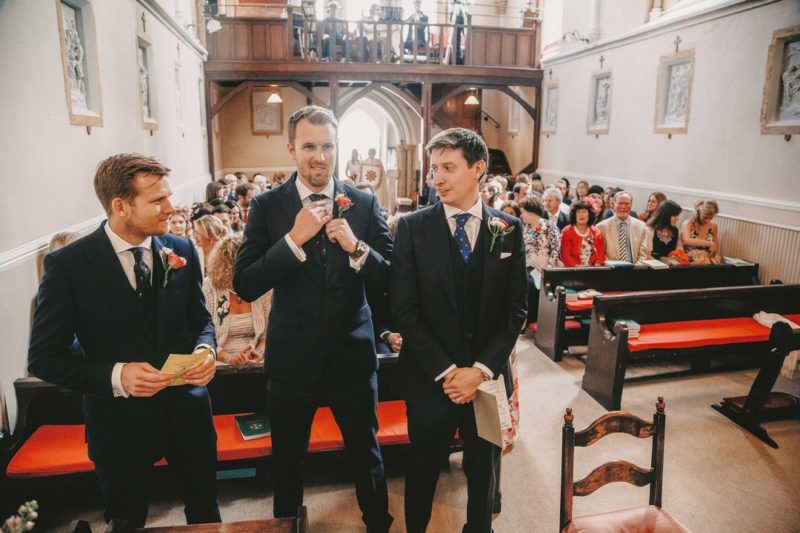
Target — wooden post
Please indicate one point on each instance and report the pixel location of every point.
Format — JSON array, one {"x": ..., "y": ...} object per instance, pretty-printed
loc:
[
  {"x": 427, "y": 121},
  {"x": 209, "y": 128},
  {"x": 537, "y": 123}
]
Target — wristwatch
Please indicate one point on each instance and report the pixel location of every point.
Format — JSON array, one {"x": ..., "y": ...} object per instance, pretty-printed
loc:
[
  {"x": 385, "y": 336},
  {"x": 361, "y": 249}
]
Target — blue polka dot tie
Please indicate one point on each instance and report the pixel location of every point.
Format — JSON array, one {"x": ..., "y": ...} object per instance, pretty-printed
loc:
[{"x": 461, "y": 236}]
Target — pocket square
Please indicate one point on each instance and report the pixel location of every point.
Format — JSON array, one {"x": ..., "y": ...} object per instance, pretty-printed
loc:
[{"x": 503, "y": 255}]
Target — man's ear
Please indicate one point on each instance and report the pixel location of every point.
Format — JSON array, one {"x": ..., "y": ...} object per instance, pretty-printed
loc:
[
  {"x": 480, "y": 168},
  {"x": 119, "y": 207},
  {"x": 290, "y": 149}
]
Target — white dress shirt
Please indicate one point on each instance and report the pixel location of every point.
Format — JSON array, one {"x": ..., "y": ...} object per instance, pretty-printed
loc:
[
  {"x": 123, "y": 250},
  {"x": 472, "y": 227},
  {"x": 305, "y": 198}
]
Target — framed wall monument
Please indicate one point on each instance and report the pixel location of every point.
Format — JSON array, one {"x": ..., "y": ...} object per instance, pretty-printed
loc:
[
  {"x": 674, "y": 92},
  {"x": 599, "y": 103},
  {"x": 266, "y": 118},
  {"x": 550, "y": 106},
  {"x": 780, "y": 103}
]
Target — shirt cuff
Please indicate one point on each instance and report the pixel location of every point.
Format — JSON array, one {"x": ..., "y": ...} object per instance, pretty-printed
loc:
[
  {"x": 483, "y": 368},
  {"x": 116, "y": 381},
  {"x": 356, "y": 264},
  {"x": 443, "y": 374},
  {"x": 298, "y": 252},
  {"x": 202, "y": 346}
]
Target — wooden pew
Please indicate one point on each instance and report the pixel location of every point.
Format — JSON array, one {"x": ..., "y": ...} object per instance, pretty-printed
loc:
[
  {"x": 761, "y": 404},
  {"x": 693, "y": 323},
  {"x": 551, "y": 336}
]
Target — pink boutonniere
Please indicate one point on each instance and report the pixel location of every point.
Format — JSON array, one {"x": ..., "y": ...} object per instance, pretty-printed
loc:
[
  {"x": 343, "y": 202},
  {"x": 170, "y": 261},
  {"x": 498, "y": 227}
]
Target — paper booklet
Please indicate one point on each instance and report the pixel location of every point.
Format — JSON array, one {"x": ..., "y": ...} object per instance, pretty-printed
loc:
[
  {"x": 492, "y": 414},
  {"x": 769, "y": 319},
  {"x": 254, "y": 426},
  {"x": 177, "y": 365},
  {"x": 654, "y": 263}
]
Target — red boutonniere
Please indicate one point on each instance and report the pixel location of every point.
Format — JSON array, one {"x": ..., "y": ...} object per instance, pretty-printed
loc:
[
  {"x": 343, "y": 202},
  {"x": 498, "y": 227},
  {"x": 170, "y": 261}
]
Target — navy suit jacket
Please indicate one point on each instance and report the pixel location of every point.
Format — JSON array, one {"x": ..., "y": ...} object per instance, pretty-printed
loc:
[
  {"x": 320, "y": 323},
  {"x": 422, "y": 294},
  {"x": 85, "y": 293}
]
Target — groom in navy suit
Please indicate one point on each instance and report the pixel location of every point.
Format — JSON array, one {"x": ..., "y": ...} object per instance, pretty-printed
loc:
[
  {"x": 322, "y": 247},
  {"x": 458, "y": 291},
  {"x": 132, "y": 296}
]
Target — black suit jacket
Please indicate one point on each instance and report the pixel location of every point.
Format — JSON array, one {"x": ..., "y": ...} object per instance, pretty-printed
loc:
[
  {"x": 320, "y": 323},
  {"x": 85, "y": 293},
  {"x": 423, "y": 300}
]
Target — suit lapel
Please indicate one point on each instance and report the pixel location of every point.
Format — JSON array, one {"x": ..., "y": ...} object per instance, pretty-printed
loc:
[
  {"x": 333, "y": 256},
  {"x": 292, "y": 205},
  {"x": 490, "y": 260},
  {"x": 158, "y": 287},
  {"x": 437, "y": 232}
]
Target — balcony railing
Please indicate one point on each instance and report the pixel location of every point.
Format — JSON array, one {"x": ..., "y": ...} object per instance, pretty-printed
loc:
[{"x": 292, "y": 36}]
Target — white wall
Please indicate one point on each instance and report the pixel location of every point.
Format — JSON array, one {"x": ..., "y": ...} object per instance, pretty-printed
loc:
[
  {"x": 723, "y": 155},
  {"x": 48, "y": 165}
]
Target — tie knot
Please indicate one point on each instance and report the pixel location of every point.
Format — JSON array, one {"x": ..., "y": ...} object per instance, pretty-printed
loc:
[
  {"x": 316, "y": 197},
  {"x": 138, "y": 253},
  {"x": 461, "y": 219}
]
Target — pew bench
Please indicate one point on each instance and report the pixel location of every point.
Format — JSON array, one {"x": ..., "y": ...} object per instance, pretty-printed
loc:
[
  {"x": 49, "y": 437},
  {"x": 682, "y": 323},
  {"x": 553, "y": 336}
]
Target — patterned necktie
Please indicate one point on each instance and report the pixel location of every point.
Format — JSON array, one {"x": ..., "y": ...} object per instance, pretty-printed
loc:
[
  {"x": 624, "y": 245},
  {"x": 320, "y": 238},
  {"x": 142, "y": 273},
  {"x": 461, "y": 236}
]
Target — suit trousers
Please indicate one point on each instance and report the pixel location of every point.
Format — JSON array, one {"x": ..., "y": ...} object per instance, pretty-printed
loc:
[
  {"x": 432, "y": 422},
  {"x": 354, "y": 409},
  {"x": 191, "y": 453}
]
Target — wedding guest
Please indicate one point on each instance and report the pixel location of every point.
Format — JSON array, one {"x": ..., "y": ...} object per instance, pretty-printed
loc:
[
  {"x": 653, "y": 201},
  {"x": 490, "y": 194},
  {"x": 510, "y": 207},
  {"x": 663, "y": 229},
  {"x": 595, "y": 201},
  {"x": 207, "y": 231},
  {"x": 563, "y": 186},
  {"x": 260, "y": 181},
  {"x": 581, "y": 242},
  {"x": 700, "y": 233},
  {"x": 625, "y": 236},
  {"x": 214, "y": 190},
  {"x": 542, "y": 248},
  {"x": 581, "y": 190},
  {"x": 179, "y": 222},
  {"x": 61, "y": 239},
  {"x": 223, "y": 213},
  {"x": 551, "y": 199},
  {"x": 241, "y": 327}
]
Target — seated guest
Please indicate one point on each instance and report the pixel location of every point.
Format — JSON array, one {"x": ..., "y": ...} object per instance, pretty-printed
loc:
[
  {"x": 260, "y": 181},
  {"x": 490, "y": 194},
  {"x": 653, "y": 201},
  {"x": 595, "y": 201},
  {"x": 278, "y": 178},
  {"x": 237, "y": 224},
  {"x": 207, "y": 231},
  {"x": 663, "y": 229},
  {"x": 244, "y": 195},
  {"x": 542, "y": 248},
  {"x": 609, "y": 195},
  {"x": 215, "y": 190},
  {"x": 510, "y": 207},
  {"x": 61, "y": 239},
  {"x": 521, "y": 190},
  {"x": 233, "y": 181},
  {"x": 179, "y": 221},
  {"x": 241, "y": 327},
  {"x": 625, "y": 236},
  {"x": 537, "y": 188},
  {"x": 223, "y": 213},
  {"x": 582, "y": 244},
  {"x": 700, "y": 236},
  {"x": 597, "y": 189},
  {"x": 551, "y": 198},
  {"x": 563, "y": 186},
  {"x": 581, "y": 190},
  {"x": 199, "y": 210}
]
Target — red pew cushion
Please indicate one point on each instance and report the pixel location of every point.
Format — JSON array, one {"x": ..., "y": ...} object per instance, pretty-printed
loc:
[{"x": 569, "y": 325}]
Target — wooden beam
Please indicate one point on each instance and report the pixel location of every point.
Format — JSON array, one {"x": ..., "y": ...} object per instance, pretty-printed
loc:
[
  {"x": 209, "y": 128},
  {"x": 427, "y": 115}
]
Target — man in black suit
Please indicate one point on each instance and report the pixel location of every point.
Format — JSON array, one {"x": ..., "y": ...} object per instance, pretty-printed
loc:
[
  {"x": 458, "y": 298},
  {"x": 552, "y": 201},
  {"x": 320, "y": 258},
  {"x": 131, "y": 293}
]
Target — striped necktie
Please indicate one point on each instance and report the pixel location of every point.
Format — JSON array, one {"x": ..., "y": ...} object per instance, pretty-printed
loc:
[{"x": 624, "y": 242}]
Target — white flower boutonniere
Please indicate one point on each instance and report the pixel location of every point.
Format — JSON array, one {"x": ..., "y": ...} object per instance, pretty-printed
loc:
[
  {"x": 498, "y": 227},
  {"x": 223, "y": 308},
  {"x": 170, "y": 261}
]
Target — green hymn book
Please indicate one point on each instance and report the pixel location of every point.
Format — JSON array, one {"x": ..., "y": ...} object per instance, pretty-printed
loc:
[{"x": 254, "y": 426}]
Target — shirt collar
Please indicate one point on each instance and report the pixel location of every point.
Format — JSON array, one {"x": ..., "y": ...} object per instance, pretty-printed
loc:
[
  {"x": 305, "y": 192},
  {"x": 476, "y": 210},
  {"x": 121, "y": 245},
  {"x": 620, "y": 221}
]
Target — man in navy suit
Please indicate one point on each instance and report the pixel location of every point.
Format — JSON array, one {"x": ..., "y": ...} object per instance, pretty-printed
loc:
[
  {"x": 131, "y": 304},
  {"x": 458, "y": 294},
  {"x": 320, "y": 258}
]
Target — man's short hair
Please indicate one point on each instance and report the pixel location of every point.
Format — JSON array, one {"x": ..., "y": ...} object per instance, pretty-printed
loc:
[
  {"x": 114, "y": 176},
  {"x": 470, "y": 143},
  {"x": 221, "y": 208},
  {"x": 532, "y": 204},
  {"x": 621, "y": 192},
  {"x": 314, "y": 114},
  {"x": 553, "y": 191},
  {"x": 242, "y": 189}
]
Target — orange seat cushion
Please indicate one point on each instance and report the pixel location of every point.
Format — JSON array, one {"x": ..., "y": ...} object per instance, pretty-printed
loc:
[
  {"x": 696, "y": 333},
  {"x": 569, "y": 325},
  {"x": 645, "y": 519},
  {"x": 585, "y": 304},
  {"x": 52, "y": 451},
  {"x": 230, "y": 444}
]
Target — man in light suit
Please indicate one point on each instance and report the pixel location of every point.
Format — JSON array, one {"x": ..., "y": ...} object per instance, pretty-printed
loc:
[
  {"x": 320, "y": 258},
  {"x": 131, "y": 293},
  {"x": 552, "y": 201},
  {"x": 625, "y": 236},
  {"x": 458, "y": 297}
]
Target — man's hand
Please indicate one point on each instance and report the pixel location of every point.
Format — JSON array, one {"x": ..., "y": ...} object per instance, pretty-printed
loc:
[
  {"x": 308, "y": 222},
  {"x": 141, "y": 380},
  {"x": 338, "y": 230},
  {"x": 461, "y": 384},
  {"x": 201, "y": 373},
  {"x": 395, "y": 341}
]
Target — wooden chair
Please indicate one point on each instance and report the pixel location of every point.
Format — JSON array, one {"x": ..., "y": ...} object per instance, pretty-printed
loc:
[{"x": 645, "y": 519}]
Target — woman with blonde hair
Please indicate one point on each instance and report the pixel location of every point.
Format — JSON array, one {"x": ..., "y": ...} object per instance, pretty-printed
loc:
[
  {"x": 241, "y": 327},
  {"x": 208, "y": 229},
  {"x": 700, "y": 235},
  {"x": 179, "y": 222}
]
